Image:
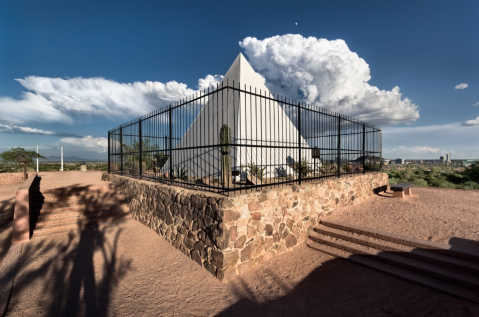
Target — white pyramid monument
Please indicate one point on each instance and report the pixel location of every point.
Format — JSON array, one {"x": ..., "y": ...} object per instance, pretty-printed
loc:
[{"x": 255, "y": 123}]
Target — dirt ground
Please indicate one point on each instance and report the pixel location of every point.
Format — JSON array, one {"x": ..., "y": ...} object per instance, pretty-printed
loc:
[
  {"x": 49, "y": 180},
  {"x": 444, "y": 215},
  {"x": 7, "y": 203},
  {"x": 126, "y": 269}
]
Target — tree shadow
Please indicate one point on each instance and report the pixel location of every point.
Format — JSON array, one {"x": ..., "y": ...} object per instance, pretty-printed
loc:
[
  {"x": 7, "y": 207},
  {"x": 72, "y": 273},
  {"x": 339, "y": 287}
]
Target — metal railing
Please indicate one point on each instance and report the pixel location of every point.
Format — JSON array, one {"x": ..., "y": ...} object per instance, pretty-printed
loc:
[{"x": 233, "y": 138}]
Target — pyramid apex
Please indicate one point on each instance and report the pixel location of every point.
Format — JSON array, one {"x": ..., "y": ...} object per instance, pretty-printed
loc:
[{"x": 241, "y": 72}]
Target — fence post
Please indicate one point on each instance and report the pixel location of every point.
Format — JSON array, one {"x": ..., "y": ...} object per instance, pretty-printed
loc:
[
  {"x": 380, "y": 150},
  {"x": 141, "y": 149},
  {"x": 121, "y": 149},
  {"x": 171, "y": 156},
  {"x": 108, "y": 152},
  {"x": 299, "y": 142},
  {"x": 338, "y": 159},
  {"x": 364, "y": 148}
]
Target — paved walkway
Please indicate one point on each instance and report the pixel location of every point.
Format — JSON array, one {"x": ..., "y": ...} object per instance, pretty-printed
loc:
[{"x": 126, "y": 269}]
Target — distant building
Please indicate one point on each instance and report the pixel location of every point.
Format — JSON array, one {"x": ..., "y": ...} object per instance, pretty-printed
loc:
[
  {"x": 468, "y": 163},
  {"x": 399, "y": 161},
  {"x": 442, "y": 159},
  {"x": 448, "y": 158}
]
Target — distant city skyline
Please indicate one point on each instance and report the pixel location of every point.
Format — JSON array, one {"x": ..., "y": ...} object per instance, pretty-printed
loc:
[{"x": 67, "y": 84}]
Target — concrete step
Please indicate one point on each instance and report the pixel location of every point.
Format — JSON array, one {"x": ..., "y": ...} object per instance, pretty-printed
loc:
[
  {"x": 454, "y": 277},
  {"x": 80, "y": 224},
  {"x": 75, "y": 217},
  {"x": 452, "y": 263},
  {"x": 446, "y": 249},
  {"x": 444, "y": 287}
]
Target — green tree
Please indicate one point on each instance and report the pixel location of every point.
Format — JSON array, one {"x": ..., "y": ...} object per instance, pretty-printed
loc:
[
  {"x": 472, "y": 173},
  {"x": 11, "y": 156}
]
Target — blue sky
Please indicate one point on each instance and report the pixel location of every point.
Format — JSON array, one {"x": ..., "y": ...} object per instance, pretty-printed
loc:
[{"x": 70, "y": 71}]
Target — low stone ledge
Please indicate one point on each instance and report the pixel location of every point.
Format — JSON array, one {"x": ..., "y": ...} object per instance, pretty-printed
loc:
[
  {"x": 11, "y": 178},
  {"x": 230, "y": 235},
  {"x": 21, "y": 216}
]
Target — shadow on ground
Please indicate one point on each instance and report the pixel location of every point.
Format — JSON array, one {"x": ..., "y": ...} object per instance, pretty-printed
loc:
[
  {"x": 6, "y": 224},
  {"x": 73, "y": 274},
  {"x": 339, "y": 287}
]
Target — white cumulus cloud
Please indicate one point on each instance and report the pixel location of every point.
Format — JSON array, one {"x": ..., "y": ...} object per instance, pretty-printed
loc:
[
  {"x": 89, "y": 143},
  {"x": 476, "y": 104},
  {"x": 5, "y": 128},
  {"x": 327, "y": 74},
  {"x": 59, "y": 100},
  {"x": 461, "y": 86},
  {"x": 209, "y": 81},
  {"x": 469, "y": 123},
  {"x": 31, "y": 107},
  {"x": 10, "y": 128}
]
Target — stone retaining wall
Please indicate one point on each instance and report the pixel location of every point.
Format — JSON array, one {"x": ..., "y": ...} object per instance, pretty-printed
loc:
[
  {"x": 229, "y": 235},
  {"x": 11, "y": 178}
]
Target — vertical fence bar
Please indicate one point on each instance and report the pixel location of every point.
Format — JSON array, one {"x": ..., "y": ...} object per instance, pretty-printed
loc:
[
  {"x": 317, "y": 125},
  {"x": 141, "y": 153},
  {"x": 109, "y": 151},
  {"x": 364, "y": 148},
  {"x": 299, "y": 142},
  {"x": 121, "y": 149},
  {"x": 338, "y": 159},
  {"x": 171, "y": 153},
  {"x": 380, "y": 150}
]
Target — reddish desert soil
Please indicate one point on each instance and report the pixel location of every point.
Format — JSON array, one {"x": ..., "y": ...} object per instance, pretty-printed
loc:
[
  {"x": 49, "y": 180},
  {"x": 126, "y": 269},
  {"x": 444, "y": 215},
  {"x": 7, "y": 203}
]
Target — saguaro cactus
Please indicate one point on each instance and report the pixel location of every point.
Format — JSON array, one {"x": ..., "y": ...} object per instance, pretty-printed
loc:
[{"x": 225, "y": 138}]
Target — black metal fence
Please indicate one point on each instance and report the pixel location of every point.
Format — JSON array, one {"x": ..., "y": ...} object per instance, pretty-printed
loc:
[{"x": 232, "y": 138}]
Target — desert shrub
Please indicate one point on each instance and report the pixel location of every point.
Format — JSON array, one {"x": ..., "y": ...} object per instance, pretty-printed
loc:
[
  {"x": 470, "y": 185},
  {"x": 406, "y": 175},
  {"x": 393, "y": 181},
  {"x": 133, "y": 167},
  {"x": 302, "y": 166},
  {"x": 180, "y": 173},
  {"x": 472, "y": 173},
  {"x": 454, "y": 178},
  {"x": 420, "y": 182},
  {"x": 442, "y": 183},
  {"x": 329, "y": 168},
  {"x": 256, "y": 170},
  {"x": 433, "y": 172}
]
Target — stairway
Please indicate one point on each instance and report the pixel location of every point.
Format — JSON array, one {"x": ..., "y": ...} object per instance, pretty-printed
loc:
[
  {"x": 62, "y": 210},
  {"x": 452, "y": 270}
]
